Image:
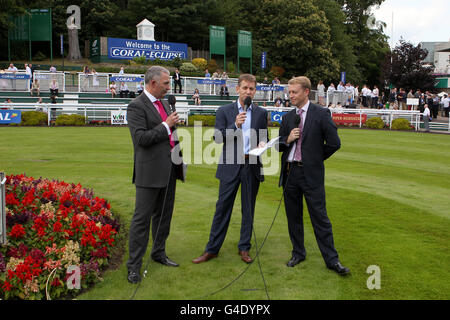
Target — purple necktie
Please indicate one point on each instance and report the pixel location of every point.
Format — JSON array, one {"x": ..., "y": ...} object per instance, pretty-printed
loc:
[{"x": 298, "y": 147}]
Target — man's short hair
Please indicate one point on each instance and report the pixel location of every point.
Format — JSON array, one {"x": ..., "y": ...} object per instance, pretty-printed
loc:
[
  {"x": 304, "y": 82},
  {"x": 154, "y": 73},
  {"x": 246, "y": 77}
]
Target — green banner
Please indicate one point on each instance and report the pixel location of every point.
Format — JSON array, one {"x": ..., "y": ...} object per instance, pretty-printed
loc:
[
  {"x": 245, "y": 46},
  {"x": 217, "y": 42}
]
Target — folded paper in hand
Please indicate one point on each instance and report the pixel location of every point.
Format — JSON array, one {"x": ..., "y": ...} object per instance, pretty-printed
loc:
[{"x": 260, "y": 151}]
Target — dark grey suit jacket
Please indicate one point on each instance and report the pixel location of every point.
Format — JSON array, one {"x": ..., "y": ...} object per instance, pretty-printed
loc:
[
  {"x": 152, "y": 151},
  {"x": 232, "y": 153},
  {"x": 319, "y": 141}
]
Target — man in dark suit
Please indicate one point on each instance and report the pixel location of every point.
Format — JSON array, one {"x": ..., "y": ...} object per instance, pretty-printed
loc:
[
  {"x": 151, "y": 124},
  {"x": 177, "y": 81},
  {"x": 240, "y": 129},
  {"x": 308, "y": 136}
]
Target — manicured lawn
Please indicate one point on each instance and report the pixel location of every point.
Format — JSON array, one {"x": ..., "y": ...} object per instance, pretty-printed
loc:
[{"x": 387, "y": 198}]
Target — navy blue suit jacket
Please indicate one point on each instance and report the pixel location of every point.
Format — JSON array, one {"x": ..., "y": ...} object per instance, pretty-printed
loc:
[
  {"x": 232, "y": 153},
  {"x": 319, "y": 141}
]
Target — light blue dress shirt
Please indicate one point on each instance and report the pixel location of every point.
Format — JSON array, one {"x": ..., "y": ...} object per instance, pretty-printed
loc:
[{"x": 246, "y": 126}]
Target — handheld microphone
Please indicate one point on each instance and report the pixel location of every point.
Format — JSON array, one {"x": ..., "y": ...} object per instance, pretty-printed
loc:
[
  {"x": 297, "y": 122},
  {"x": 247, "y": 103},
  {"x": 172, "y": 101}
]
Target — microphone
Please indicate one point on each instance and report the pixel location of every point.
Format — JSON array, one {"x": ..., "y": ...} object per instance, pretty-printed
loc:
[
  {"x": 297, "y": 122},
  {"x": 172, "y": 101},
  {"x": 247, "y": 103}
]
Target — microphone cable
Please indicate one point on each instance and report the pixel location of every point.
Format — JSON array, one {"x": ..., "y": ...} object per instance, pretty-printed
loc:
[{"x": 257, "y": 251}]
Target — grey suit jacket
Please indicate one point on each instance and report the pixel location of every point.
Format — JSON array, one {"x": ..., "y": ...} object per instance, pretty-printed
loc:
[
  {"x": 152, "y": 151},
  {"x": 319, "y": 141}
]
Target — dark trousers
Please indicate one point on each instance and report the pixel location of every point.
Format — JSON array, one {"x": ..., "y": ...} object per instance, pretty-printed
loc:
[
  {"x": 296, "y": 188},
  {"x": 446, "y": 112},
  {"x": 224, "y": 207},
  {"x": 177, "y": 83},
  {"x": 151, "y": 209}
]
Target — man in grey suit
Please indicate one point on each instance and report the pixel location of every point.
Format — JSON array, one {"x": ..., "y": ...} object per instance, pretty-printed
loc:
[
  {"x": 308, "y": 136},
  {"x": 240, "y": 126},
  {"x": 151, "y": 125}
]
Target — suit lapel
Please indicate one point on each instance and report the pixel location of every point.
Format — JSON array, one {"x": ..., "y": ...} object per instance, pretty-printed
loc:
[{"x": 309, "y": 118}]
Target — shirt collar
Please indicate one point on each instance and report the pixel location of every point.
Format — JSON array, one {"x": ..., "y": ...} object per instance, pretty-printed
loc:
[
  {"x": 150, "y": 96},
  {"x": 305, "y": 107},
  {"x": 240, "y": 106}
]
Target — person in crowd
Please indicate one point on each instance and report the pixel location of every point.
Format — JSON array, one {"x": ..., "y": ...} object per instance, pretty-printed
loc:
[
  {"x": 426, "y": 118},
  {"x": 122, "y": 70},
  {"x": 401, "y": 98},
  {"x": 321, "y": 93},
  {"x": 435, "y": 107},
  {"x": 341, "y": 86},
  {"x": 410, "y": 96},
  {"x": 224, "y": 91},
  {"x": 445, "y": 105},
  {"x": 207, "y": 74},
  {"x": 196, "y": 97},
  {"x": 54, "y": 87},
  {"x": 124, "y": 91},
  {"x": 356, "y": 95},
  {"x": 52, "y": 69},
  {"x": 287, "y": 99},
  {"x": 113, "y": 89},
  {"x": 393, "y": 98},
  {"x": 375, "y": 97},
  {"x": 140, "y": 87},
  {"x": 237, "y": 168},
  {"x": 35, "y": 87},
  {"x": 29, "y": 73},
  {"x": 304, "y": 148},
  {"x": 177, "y": 81}
]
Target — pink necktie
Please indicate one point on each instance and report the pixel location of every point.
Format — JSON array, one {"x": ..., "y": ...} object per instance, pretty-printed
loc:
[
  {"x": 298, "y": 147},
  {"x": 163, "y": 114}
]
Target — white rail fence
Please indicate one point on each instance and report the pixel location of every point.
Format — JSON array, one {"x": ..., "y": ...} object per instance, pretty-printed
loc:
[{"x": 102, "y": 112}]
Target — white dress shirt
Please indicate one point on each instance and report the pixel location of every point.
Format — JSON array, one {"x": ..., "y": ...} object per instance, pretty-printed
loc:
[{"x": 153, "y": 100}]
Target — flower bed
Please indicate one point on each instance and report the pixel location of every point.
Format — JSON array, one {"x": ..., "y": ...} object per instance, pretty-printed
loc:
[{"x": 59, "y": 236}]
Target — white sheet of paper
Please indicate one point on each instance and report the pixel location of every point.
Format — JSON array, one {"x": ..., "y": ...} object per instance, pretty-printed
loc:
[{"x": 260, "y": 151}]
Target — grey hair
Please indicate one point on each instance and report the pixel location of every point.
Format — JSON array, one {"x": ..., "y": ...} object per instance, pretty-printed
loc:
[{"x": 154, "y": 73}]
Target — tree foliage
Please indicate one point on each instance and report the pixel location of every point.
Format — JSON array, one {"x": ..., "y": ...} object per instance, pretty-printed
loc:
[
  {"x": 318, "y": 38},
  {"x": 407, "y": 69}
]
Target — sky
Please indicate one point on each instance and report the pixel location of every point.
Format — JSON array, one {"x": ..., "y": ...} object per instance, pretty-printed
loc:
[{"x": 416, "y": 21}]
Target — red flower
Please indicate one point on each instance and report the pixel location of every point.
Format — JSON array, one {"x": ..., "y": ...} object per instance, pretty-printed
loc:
[
  {"x": 17, "y": 231},
  {"x": 11, "y": 200}
]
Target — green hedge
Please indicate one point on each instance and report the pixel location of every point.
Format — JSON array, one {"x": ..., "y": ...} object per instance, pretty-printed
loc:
[
  {"x": 375, "y": 123},
  {"x": 34, "y": 118},
  {"x": 70, "y": 120},
  {"x": 401, "y": 124},
  {"x": 207, "y": 120}
]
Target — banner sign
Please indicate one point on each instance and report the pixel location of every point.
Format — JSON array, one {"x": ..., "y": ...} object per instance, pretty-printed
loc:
[
  {"x": 14, "y": 76},
  {"x": 126, "y": 79},
  {"x": 119, "y": 117},
  {"x": 343, "y": 76},
  {"x": 276, "y": 116},
  {"x": 10, "y": 116},
  {"x": 269, "y": 88},
  {"x": 263, "y": 60},
  {"x": 129, "y": 49},
  {"x": 217, "y": 40},
  {"x": 343, "y": 118},
  {"x": 211, "y": 81}
]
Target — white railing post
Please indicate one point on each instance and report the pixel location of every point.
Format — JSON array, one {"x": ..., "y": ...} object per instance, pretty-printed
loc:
[{"x": 2, "y": 208}]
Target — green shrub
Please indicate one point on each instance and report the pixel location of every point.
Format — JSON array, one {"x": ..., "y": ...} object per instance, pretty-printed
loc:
[
  {"x": 200, "y": 63},
  {"x": 212, "y": 66},
  {"x": 34, "y": 118},
  {"x": 207, "y": 120},
  {"x": 187, "y": 67},
  {"x": 375, "y": 123},
  {"x": 70, "y": 120},
  {"x": 401, "y": 124}
]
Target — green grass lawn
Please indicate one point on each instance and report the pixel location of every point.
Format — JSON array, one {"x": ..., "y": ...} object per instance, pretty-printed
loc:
[{"x": 387, "y": 198}]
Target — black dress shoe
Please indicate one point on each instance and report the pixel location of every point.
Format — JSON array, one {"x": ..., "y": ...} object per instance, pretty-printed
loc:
[
  {"x": 294, "y": 261},
  {"x": 167, "y": 262},
  {"x": 133, "y": 277},
  {"x": 339, "y": 268}
]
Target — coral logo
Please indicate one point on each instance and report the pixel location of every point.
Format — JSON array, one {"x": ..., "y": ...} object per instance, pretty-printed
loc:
[{"x": 7, "y": 116}]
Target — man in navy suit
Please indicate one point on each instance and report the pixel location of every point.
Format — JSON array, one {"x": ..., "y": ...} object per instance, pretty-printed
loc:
[
  {"x": 241, "y": 126},
  {"x": 308, "y": 136}
]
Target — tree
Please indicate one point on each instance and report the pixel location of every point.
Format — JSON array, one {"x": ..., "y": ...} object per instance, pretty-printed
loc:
[
  {"x": 408, "y": 69},
  {"x": 296, "y": 36}
]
